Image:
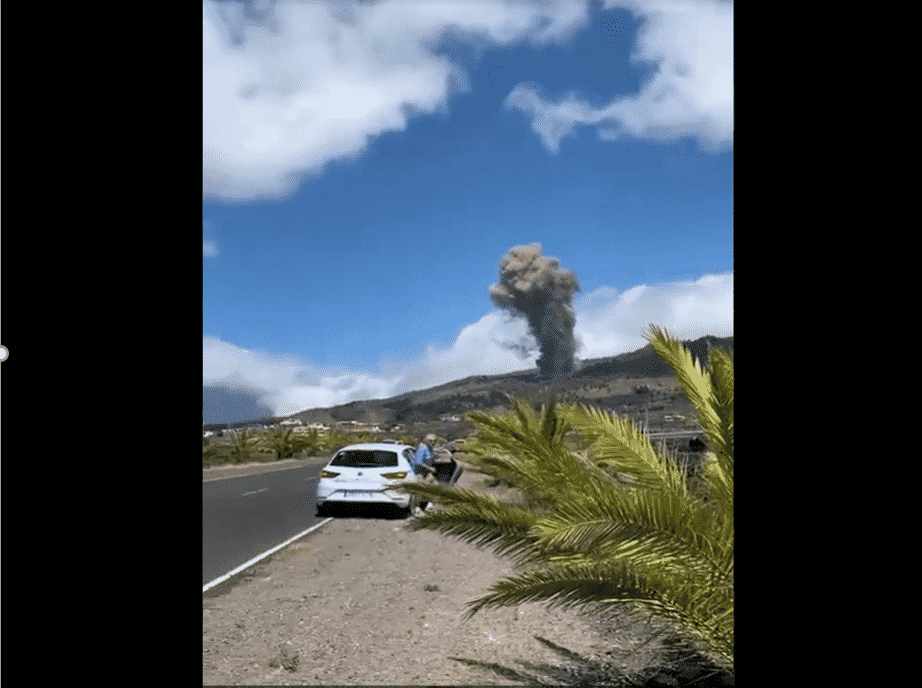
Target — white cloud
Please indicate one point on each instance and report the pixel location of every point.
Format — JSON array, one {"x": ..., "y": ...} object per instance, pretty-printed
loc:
[
  {"x": 608, "y": 323},
  {"x": 209, "y": 248},
  {"x": 289, "y": 385},
  {"x": 477, "y": 350},
  {"x": 313, "y": 81},
  {"x": 691, "y": 94}
]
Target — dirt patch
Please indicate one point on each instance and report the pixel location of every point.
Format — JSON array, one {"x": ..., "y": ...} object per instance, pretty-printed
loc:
[{"x": 364, "y": 601}]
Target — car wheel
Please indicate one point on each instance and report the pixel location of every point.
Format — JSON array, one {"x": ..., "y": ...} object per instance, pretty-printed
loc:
[{"x": 416, "y": 503}]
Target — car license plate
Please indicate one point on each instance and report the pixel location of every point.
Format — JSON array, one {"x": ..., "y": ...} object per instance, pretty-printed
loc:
[{"x": 361, "y": 493}]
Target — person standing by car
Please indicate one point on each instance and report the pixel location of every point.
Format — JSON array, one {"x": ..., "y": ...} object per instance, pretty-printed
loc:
[
  {"x": 422, "y": 467},
  {"x": 424, "y": 456}
]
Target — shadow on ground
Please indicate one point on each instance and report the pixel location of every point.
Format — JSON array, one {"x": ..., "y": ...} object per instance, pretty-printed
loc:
[
  {"x": 387, "y": 512},
  {"x": 680, "y": 666}
]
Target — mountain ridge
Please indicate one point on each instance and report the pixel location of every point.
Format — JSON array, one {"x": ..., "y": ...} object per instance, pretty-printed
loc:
[{"x": 484, "y": 392}]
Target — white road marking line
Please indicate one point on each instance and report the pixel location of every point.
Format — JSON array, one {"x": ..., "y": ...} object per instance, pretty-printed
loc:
[
  {"x": 254, "y": 492},
  {"x": 262, "y": 556}
]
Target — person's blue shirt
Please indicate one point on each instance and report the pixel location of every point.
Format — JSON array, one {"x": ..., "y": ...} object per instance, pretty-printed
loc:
[{"x": 422, "y": 456}]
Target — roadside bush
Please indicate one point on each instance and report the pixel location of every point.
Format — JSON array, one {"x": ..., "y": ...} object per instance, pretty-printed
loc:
[
  {"x": 211, "y": 452},
  {"x": 244, "y": 446},
  {"x": 280, "y": 442},
  {"x": 334, "y": 439},
  {"x": 309, "y": 443}
]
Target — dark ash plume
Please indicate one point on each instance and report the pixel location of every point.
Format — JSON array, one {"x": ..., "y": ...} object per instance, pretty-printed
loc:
[{"x": 534, "y": 287}]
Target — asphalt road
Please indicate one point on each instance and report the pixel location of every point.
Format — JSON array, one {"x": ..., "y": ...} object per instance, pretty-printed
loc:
[{"x": 244, "y": 516}]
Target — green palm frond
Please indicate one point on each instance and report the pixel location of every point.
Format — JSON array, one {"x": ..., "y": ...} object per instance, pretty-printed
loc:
[
  {"x": 594, "y": 587},
  {"x": 614, "y": 522},
  {"x": 719, "y": 472},
  {"x": 688, "y": 372},
  {"x": 711, "y": 392},
  {"x": 646, "y": 528},
  {"x": 477, "y": 519},
  {"x": 618, "y": 444},
  {"x": 528, "y": 452}
]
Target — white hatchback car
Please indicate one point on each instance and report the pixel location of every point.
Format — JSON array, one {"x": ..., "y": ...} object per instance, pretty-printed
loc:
[{"x": 362, "y": 473}]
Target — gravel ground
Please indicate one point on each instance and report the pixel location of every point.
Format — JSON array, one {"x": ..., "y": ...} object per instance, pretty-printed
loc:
[{"x": 364, "y": 601}]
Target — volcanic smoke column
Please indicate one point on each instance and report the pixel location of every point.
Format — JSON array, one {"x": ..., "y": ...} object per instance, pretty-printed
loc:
[{"x": 534, "y": 287}]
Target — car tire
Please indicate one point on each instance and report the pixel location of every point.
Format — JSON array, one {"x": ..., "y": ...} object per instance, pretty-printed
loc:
[{"x": 416, "y": 502}]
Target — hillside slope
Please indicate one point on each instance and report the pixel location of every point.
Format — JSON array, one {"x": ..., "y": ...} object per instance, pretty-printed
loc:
[{"x": 611, "y": 382}]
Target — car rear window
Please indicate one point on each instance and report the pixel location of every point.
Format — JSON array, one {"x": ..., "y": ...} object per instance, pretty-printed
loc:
[{"x": 365, "y": 458}]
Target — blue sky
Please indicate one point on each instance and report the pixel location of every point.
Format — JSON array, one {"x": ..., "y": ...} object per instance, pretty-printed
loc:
[{"x": 367, "y": 164}]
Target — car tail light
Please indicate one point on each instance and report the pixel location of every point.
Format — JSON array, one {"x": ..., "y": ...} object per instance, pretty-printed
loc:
[
  {"x": 399, "y": 475},
  {"x": 328, "y": 474}
]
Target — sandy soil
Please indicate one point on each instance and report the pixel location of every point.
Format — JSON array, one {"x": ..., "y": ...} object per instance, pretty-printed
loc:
[{"x": 363, "y": 601}]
